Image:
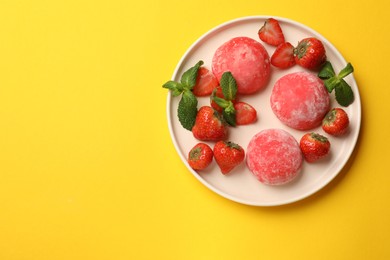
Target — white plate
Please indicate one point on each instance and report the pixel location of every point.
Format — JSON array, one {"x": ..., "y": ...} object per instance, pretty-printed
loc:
[{"x": 240, "y": 185}]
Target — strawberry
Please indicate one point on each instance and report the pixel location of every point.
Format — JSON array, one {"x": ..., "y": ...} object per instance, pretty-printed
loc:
[
  {"x": 205, "y": 83},
  {"x": 336, "y": 122},
  {"x": 200, "y": 156},
  {"x": 310, "y": 53},
  {"x": 228, "y": 155},
  {"x": 314, "y": 146},
  {"x": 271, "y": 32},
  {"x": 283, "y": 57},
  {"x": 245, "y": 113},
  {"x": 209, "y": 126}
]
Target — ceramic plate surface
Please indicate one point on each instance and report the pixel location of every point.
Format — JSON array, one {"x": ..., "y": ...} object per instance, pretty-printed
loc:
[{"x": 240, "y": 185}]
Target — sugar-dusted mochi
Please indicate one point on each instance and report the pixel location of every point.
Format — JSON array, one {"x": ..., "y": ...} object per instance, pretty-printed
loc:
[
  {"x": 247, "y": 60},
  {"x": 300, "y": 100},
  {"x": 274, "y": 157}
]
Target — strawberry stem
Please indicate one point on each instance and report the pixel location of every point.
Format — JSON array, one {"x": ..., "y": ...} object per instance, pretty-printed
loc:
[
  {"x": 300, "y": 50},
  {"x": 232, "y": 145},
  {"x": 319, "y": 137}
]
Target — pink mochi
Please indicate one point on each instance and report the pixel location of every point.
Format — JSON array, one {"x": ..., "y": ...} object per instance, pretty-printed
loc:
[
  {"x": 274, "y": 157},
  {"x": 247, "y": 60},
  {"x": 300, "y": 100}
]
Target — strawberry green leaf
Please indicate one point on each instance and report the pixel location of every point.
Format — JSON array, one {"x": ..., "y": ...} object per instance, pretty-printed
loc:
[
  {"x": 228, "y": 85},
  {"x": 344, "y": 94},
  {"x": 176, "y": 88},
  {"x": 318, "y": 137},
  {"x": 187, "y": 110},
  {"x": 188, "y": 79},
  {"x": 346, "y": 71},
  {"x": 233, "y": 145},
  {"x": 326, "y": 71}
]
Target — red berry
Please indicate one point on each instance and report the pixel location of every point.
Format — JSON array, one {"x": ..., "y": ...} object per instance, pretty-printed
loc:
[
  {"x": 200, "y": 156},
  {"x": 209, "y": 125},
  {"x": 245, "y": 113},
  {"x": 336, "y": 122},
  {"x": 271, "y": 32},
  {"x": 228, "y": 155},
  {"x": 310, "y": 53},
  {"x": 314, "y": 146},
  {"x": 283, "y": 56},
  {"x": 205, "y": 83}
]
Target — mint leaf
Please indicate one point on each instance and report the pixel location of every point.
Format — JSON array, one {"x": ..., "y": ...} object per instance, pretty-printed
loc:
[
  {"x": 344, "y": 94},
  {"x": 171, "y": 84},
  {"x": 346, "y": 71},
  {"x": 187, "y": 109},
  {"x": 221, "y": 102},
  {"x": 326, "y": 71},
  {"x": 228, "y": 85},
  {"x": 176, "y": 88},
  {"x": 188, "y": 79},
  {"x": 229, "y": 114},
  {"x": 331, "y": 83},
  {"x": 229, "y": 90}
]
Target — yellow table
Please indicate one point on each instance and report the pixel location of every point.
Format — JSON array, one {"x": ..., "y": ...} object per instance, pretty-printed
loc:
[{"x": 87, "y": 166}]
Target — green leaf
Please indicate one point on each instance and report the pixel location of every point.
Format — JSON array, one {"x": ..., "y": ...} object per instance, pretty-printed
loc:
[
  {"x": 175, "y": 87},
  {"x": 170, "y": 84},
  {"x": 346, "y": 71},
  {"x": 344, "y": 94},
  {"x": 326, "y": 71},
  {"x": 233, "y": 145},
  {"x": 188, "y": 79},
  {"x": 229, "y": 114},
  {"x": 331, "y": 83},
  {"x": 228, "y": 85},
  {"x": 221, "y": 102},
  {"x": 187, "y": 109}
]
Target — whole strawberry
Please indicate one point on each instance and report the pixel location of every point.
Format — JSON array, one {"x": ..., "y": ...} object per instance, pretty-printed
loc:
[
  {"x": 336, "y": 122},
  {"x": 314, "y": 146},
  {"x": 228, "y": 155},
  {"x": 209, "y": 126},
  {"x": 200, "y": 156},
  {"x": 310, "y": 53}
]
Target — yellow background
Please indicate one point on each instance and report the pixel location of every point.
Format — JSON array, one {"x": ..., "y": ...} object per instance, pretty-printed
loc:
[{"x": 87, "y": 166}]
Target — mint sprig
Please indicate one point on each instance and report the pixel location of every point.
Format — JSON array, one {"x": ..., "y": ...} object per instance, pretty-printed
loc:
[
  {"x": 188, "y": 104},
  {"x": 343, "y": 92},
  {"x": 229, "y": 91}
]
